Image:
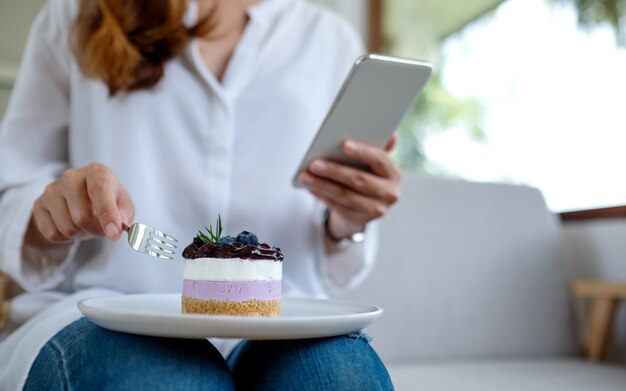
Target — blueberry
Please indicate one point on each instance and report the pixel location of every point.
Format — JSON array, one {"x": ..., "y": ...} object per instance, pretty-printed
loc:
[
  {"x": 226, "y": 239},
  {"x": 246, "y": 237}
]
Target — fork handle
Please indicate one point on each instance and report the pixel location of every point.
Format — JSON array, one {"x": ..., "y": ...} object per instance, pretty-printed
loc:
[{"x": 125, "y": 227}]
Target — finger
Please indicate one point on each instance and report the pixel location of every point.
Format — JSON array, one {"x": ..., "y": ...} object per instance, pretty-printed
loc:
[
  {"x": 358, "y": 180},
  {"x": 59, "y": 211},
  {"x": 80, "y": 208},
  {"x": 126, "y": 206},
  {"x": 46, "y": 227},
  {"x": 392, "y": 142},
  {"x": 102, "y": 191},
  {"x": 377, "y": 159},
  {"x": 53, "y": 202},
  {"x": 342, "y": 195},
  {"x": 355, "y": 217}
]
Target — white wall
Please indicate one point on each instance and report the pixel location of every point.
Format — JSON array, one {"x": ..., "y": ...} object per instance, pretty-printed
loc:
[{"x": 16, "y": 17}]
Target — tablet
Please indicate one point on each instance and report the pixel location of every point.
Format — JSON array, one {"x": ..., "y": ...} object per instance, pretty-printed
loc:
[{"x": 376, "y": 95}]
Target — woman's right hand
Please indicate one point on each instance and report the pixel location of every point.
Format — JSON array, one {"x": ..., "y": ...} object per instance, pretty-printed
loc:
[{"x": 82, "y": 203}]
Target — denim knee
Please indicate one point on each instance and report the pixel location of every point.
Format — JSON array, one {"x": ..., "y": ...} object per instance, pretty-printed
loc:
[
  {"x": 339, "y": 363},
  {"x": 360, "y": 335},
  {"x": 85, "y": 356},
  {"x": 50, "y": 373}
]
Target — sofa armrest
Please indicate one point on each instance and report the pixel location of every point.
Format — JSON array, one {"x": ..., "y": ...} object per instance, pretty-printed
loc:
[{"x": 604, "y": 298}]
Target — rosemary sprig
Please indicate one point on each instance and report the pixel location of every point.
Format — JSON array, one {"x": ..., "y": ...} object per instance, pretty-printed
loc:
[{"x": 212, "y": 236}]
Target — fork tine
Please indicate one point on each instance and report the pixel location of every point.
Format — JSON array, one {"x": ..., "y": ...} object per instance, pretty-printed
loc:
[
  {"x": 149, "y": 241},
  {"x": 163, "y": 250},
  {"x": 156, "y": 252},
  {"x": 167, "y": 244},
  {"x": 161, "y": 256},
  {"x": 166, "y": 236}
]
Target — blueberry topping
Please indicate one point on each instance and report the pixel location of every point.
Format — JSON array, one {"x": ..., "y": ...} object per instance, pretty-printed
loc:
[
  {"x": 246, "y": 237},
  {"x": 245, "y": 246},
  {"x": 226, "y": 239}
]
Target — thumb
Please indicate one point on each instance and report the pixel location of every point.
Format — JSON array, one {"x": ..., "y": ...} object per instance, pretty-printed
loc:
[
  {"x": 392, "y": 142},
  {"x": 126, "y": 207}
]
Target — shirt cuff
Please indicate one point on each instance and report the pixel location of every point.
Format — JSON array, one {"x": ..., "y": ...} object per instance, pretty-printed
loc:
[
  {"x": 33, "y": 269},
  {"x": 43, "y": 269},
  {"x": 348, "y": 266}
]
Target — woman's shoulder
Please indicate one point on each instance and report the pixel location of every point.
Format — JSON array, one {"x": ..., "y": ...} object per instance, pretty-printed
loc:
[
  {"x": 323, "y": 20},
  {"x": 55, "y": 19}
]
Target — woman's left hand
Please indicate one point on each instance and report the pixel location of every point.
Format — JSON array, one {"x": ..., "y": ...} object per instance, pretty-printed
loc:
[{"x": 355, "y": 196}]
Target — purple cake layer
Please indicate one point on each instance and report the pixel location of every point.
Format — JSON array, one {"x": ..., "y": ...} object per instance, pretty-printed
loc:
[{"x": 232, "y": 290}]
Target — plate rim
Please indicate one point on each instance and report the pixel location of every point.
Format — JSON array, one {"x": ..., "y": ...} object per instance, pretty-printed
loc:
[{"x": 374, "y": 310}]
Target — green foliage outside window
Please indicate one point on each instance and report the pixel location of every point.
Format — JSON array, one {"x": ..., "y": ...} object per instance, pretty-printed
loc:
[
  {"x": 438, "y": 110},
  {"x": 597, "y": 12},
  {"x": 435, "y": 110}
]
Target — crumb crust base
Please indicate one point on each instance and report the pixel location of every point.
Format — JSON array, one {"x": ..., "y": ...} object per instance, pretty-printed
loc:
[{"x": 252, "y": 307}]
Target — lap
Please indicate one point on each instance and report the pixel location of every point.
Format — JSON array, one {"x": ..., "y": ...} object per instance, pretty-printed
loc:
[
  {"x": 84, "y": 355},
  {"x": 339, "y": 363}
]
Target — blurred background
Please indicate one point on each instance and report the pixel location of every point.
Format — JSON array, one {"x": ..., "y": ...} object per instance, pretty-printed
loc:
[{"x": 525, "y": 91}]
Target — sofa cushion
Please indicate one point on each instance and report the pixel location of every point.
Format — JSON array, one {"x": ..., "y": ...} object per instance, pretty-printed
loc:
[
  {"x": 468, "y": 270},
  {"x": 536, "y": 375}
]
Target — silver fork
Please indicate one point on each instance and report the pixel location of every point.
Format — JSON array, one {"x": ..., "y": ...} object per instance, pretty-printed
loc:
[{"x": 150, "y": 241}]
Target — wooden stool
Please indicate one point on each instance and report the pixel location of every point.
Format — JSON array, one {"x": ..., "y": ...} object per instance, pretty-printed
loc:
[{"x": 604, "y": 298}]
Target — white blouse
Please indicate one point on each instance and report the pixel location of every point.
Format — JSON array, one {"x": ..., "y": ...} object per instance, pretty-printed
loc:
[{"x": 187, "y": 150}]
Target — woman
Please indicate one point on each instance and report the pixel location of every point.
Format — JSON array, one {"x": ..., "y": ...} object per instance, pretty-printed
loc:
[{"x": 169, "y": 113}]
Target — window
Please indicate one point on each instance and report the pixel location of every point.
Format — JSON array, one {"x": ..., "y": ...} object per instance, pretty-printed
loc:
[{"x": 538, "y": 100}]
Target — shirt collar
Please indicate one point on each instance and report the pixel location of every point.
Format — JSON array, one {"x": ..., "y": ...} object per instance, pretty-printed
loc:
[
  {"x": 262, "y": 11},
  {"x": 265, "y": 10}
]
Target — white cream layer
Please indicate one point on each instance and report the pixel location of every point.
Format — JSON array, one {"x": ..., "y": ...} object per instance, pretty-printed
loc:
[{"x": 232, "y": 269}]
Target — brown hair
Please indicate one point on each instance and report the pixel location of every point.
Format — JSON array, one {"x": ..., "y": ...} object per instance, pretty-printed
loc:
[{"x": 126, "y": 43}]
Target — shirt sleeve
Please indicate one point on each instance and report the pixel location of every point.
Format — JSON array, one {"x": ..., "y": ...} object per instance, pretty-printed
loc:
[
  {"x": 33, "y": 146},
  {"x": 347, "y": 267}
]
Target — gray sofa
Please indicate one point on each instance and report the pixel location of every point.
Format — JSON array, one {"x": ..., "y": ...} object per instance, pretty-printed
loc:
[{"x": 474, "y": 284}]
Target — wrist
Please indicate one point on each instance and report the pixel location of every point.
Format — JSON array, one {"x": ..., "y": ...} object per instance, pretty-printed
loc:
[
  {"x": 34, "y": 238},
  {"x": 339, "y": 230}
]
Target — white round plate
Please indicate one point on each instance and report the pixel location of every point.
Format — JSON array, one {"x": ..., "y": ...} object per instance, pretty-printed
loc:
[{"x": 160, "y": 315}]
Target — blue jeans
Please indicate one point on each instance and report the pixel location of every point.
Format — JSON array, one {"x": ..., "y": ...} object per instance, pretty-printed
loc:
[{"x": 84, "y": 356}]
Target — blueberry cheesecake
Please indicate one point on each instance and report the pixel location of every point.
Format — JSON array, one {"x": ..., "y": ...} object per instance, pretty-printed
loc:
[{"x": 231, "y": 275}]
